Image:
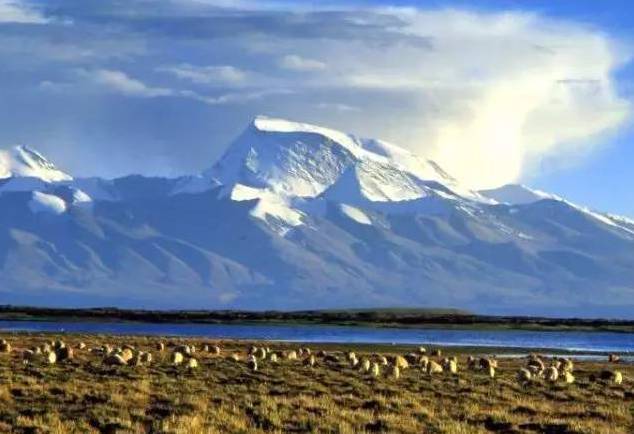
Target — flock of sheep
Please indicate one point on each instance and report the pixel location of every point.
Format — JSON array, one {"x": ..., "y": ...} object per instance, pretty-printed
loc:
[{"x": 553, "y": 370}]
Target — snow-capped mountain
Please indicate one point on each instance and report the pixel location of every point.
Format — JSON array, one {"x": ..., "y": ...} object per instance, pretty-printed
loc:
[{"x": 299, "y": 216}]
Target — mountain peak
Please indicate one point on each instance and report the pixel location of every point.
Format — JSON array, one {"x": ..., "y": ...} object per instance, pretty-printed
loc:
[
  {"x": 517, "y": 194},
  {"x": 22, "y": 161},
  {"x": 301, "y": 159}
]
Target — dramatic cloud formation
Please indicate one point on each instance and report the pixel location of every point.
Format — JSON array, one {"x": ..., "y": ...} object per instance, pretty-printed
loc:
[{"x": 489, "y": 95}]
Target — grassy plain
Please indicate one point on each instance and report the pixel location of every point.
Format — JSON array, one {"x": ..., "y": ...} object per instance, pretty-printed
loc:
[{"x": 83, "y": 395}]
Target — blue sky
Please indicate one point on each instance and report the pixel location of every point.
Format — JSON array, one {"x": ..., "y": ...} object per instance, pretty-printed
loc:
[{"x": 496, "y": 91}]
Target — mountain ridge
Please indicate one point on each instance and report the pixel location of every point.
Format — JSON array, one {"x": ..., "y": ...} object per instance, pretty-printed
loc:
[{"x": 296, "y": 216}]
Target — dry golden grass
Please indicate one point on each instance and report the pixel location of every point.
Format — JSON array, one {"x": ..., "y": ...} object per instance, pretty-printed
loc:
[{"x": 83, "y": 395}]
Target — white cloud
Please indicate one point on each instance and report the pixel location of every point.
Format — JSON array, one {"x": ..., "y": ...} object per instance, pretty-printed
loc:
[
  {"x": 297, "y": 63},
  {"x": 339, "y": 107},
  {"x": 15, "y": 11},
  {"x": 223, "y": 74},
  {"x": 490, "y": 95},
  {"x": 122, "y": 83}
]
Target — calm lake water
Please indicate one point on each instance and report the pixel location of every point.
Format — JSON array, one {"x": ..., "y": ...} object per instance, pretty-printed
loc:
[{"x": 575, "y": 341}]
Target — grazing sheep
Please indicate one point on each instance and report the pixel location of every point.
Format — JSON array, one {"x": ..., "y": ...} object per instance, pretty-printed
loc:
[
  {"x": 618, "y": 377},
  {"x": 566, "y": 365},
  {"x": 376, "y": 369},
  {"x": 273, "y": 358},
  {"x": 485, "y": 363},
  {"x": 422, "y": 350},
  {"x": 206, "y": 348},
  {"x": 126, "y": 354},
  {"x": 28, "y": 356},
  {"x": 135, "y": 361},
  {"x": 113, "y": 360},
  {"x": 423, "y": 362},
  {"x": 351, "y": 356},
  {"x": 64, "y": 353},
  {"x": 81, "y": 346},
  {"x": 365, "y": 365},
  {"x": 536, "y": 364},
  {"x": 395, "y": 372},
  {"x": 300, "y": 352},
  {"x": 215, "y": 350},
  {"x": 184, "y": 349},
  {"x": 383, "y": 360},
  {"x": 51, "y": 357},
  {"x": 5, "y": 347},
  {"x": 331, "y": 358},
  {"x": 307, "y": 351},
  {"x": 235, "y": 357},
  {"x": 260, "y": 353},
  {"x": 401, "y": 362},
  {"x": 412, "y": 358},
  {"x": 310, "y": 361},
  {"x": 452, "y": 366},
  {"x": 491, "y": 372},
  {"x": 36, "y": 350},
  {"x": 58, "y": 344},
  {"x": 471, "y": 363},
  {"x": 524, "y": 375},
  {"x": 615, "y": 377},
  {"x": 192, "y": 364},
  {"x": 177, "y": 358},
  {"x": 551, "y": 374},
  {"x": 145, "y": 357},
  {"x": 252, "y": 350},
  {"x": 291, "y": 355},
  {"x": 568, "y": 377},
  {"x": 128, "y": 347},
  {"x": 535, "y": 370},
  {"x": 614, "y": 358},
  {"x": 434, "y": 367},
  {"x": 160, "y": 346},
  {"x": 252, "y": 363},
  {"x": 321, "y": 353}
]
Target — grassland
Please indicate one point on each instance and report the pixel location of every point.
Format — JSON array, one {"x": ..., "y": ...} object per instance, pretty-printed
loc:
[{"x": 83, "y": 395}]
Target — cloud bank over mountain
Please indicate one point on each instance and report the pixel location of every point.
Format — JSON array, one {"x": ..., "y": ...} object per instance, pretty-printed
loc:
[{"x": 487, "y": 94}]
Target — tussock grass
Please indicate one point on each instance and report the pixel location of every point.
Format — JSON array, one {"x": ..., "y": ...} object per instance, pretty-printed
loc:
[{"x": 83, "y": 395}]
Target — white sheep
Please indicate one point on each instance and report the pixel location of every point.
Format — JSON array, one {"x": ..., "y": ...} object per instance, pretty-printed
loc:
[
  {"x": 192, "y": 364},
  {"x": 177, "y": 358},
  {"x": 395, "y": 372},
  {"x": 113, "y": 360},
  {"x": 252, "y": 363},
  {"x": 434, "y": 367},
  {"x": 376, "y": 369},
  {"x": 551, "y": 374},
  {"x": 5, "y": 347},
  {"x": 365, "y": 365},
  {"x": 401, "y": 362},
  {"x": 310, "y": 361},
  {"x": 524, "y": 375}
]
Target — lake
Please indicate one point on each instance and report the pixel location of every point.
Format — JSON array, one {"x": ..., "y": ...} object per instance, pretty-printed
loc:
[{"x": 569, "y": 340}]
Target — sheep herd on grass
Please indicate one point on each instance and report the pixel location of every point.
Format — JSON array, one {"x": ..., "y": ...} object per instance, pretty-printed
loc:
[{"x": 537, "y": 368}]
